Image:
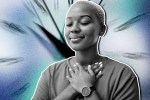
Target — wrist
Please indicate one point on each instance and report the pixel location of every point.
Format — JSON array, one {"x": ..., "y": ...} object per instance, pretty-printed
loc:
[
  {"x": 72, "y": 90},
  {"x": 85, "y": 85},
  {"x": 87, "y": 91}
]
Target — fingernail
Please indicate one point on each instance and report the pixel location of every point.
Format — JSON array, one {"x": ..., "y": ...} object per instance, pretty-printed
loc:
[
  {"x": 100, "y": 72},
  {"x": 101, "y": 66},
  {"x": 96, "y": 63},
  {"x": 100, "y": 62}
]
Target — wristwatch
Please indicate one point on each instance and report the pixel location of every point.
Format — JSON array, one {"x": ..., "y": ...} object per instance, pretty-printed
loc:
[{"x": 86, "y": 91}]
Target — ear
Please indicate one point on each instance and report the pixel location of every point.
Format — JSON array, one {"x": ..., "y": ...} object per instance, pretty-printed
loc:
[{"x": 103, "y": 30}]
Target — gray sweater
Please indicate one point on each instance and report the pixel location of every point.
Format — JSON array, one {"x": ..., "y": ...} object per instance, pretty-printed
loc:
[{"x": 118, "y": 82}]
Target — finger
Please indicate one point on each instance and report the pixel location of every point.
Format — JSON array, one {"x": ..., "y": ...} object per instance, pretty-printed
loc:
[
  {"x": 79, "y": 66},
  {"x": 69, "y": 78},
  {"x": 99, "y": 75},
  {"x": 71, "y": 72},
  {"x": 95, "y": 66},
  {"x": 96, "y": 71},
  {"x": 101, "y": 65},
  {"x": 90, "y": 70},
  {"x": 100, "y": 62},
  {"x": 76, "y": 69}
]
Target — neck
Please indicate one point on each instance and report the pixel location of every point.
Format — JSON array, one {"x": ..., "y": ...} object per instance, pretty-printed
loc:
[{"x": 88, "y": 56}]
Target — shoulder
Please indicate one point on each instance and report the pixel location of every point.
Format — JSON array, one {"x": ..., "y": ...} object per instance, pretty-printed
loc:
[
  {"x": 117, "y": 73},
  {"x": 57, "y": 66},
  {"x": 120, "y": 68},
  {"x": 122, "y": 79}
]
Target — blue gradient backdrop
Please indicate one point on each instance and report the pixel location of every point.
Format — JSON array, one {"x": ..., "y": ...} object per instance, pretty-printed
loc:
[{"x": 24, "y": 54}]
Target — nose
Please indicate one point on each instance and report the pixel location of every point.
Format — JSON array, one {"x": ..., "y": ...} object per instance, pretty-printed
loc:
[{"x": 75, "y": 28}]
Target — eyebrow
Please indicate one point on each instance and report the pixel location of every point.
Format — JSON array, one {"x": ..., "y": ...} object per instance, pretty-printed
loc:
[
  {"x": 81, "y": 16},
  {"x": 86, "y": 16},
  {"x": 10, "y": 26}
]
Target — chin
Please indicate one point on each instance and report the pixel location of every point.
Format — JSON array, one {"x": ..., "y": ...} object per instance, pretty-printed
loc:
[{"x": 78, "y": 48}]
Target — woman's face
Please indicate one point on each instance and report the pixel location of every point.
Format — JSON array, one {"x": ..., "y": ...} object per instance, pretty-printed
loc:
[{"x": 81, "y": 27}]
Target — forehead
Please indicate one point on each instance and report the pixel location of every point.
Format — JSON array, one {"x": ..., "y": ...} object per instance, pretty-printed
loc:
[{"x": 81, "y": 9}]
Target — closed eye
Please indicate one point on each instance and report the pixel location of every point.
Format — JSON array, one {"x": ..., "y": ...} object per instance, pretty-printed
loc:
[
  {"x": 85, "y": 23},
  {"x": 85, "y": 20},
  {"x": 69, "y": 24}
]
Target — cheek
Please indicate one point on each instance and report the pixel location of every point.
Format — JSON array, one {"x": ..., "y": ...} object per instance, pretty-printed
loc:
[
  {"x": 90, "y": 31},
  {"x": 92, "y": 34},
  {"x": 66, "y": 33}
]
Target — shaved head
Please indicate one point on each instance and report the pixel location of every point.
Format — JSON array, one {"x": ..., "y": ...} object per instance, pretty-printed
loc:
[{"x": 94, "y": 8}]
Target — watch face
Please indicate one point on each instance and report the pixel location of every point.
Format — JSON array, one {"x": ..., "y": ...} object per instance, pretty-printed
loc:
[{"x": 86, "y": 91}]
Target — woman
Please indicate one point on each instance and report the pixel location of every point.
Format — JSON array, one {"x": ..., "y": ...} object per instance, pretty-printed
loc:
[{"x": 87, "y": 75}]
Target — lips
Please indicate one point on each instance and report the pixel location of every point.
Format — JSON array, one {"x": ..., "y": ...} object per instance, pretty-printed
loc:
[{"x": 76, "y": 39}]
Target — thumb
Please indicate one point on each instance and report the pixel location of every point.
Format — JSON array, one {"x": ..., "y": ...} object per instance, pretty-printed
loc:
[
  {"x": 79, "y": 67},
  {"x": 69, "y": 78}
]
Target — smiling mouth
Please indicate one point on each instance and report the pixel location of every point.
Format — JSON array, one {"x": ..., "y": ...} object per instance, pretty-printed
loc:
[{"x": 76, "y": 39}]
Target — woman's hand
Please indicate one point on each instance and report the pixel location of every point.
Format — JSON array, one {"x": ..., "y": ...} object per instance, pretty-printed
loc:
[
  {"x": 97, "y": 69},
  {"x": 81, "y": 78}
]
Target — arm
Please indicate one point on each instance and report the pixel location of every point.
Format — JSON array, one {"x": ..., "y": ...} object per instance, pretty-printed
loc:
[
  {"x": 41, "y": 92},
  {"x": 70, "y": 93},
  {"x": 67, "y": 94},
  {"x": 80, "y": 79}
]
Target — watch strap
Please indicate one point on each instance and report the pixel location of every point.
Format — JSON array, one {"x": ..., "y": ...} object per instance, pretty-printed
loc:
[{"x": 92, "y": 88}]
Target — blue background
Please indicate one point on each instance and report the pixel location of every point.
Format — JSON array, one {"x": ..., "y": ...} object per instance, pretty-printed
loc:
[{"x": 25, "y": 50}]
